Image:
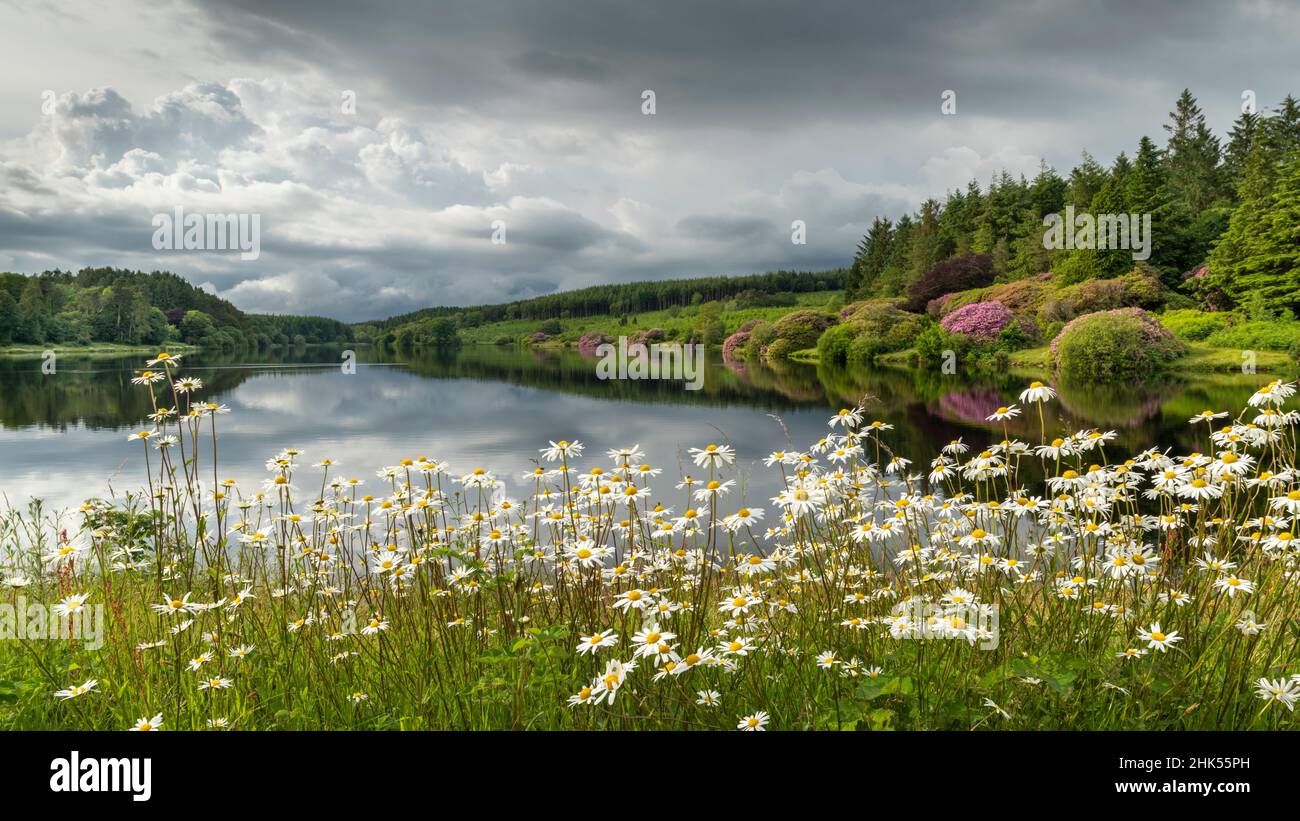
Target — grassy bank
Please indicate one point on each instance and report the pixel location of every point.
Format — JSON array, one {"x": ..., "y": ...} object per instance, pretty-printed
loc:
[
  {"x": 93, "y": 349},
  {"x": 677, "y": 323}
]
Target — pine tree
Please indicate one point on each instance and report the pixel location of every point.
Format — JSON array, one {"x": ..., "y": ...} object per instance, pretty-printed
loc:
[
  {"x": 895, "y": 278},
  {"x": 1146, "y": 191},
  {"x": 929, "y": 247},
  {"x": 1119, "y": 171},
  {"x": 1271, "y": 267},
  {"x": 1193, "y": 155},
  {"x": 869, "y": 264},
  {"x": 1098, "y": 262},
  {"x": 1281, "y": 131},
  {"x": 1030, "y": 255},
  {"x": 1244, "y": 132},
  {"x": 1086, "y": 180},
  {"x": 1048, "y": 192},
  {"x": 1248, "y": 223}
]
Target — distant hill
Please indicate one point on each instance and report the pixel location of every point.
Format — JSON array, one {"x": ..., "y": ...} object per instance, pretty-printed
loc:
[{"x": 624, "y": 298}]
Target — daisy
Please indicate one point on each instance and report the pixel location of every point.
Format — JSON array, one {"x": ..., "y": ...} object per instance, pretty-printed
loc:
[
  {"x": 846, "y": 418},
  {"x": 708, "y": 698},
  {"x": 1037, "y": 392},
  {"x": 77, "y": 690},
  {"x": 1233, "y": 585},
  {"x": 607, "y": 686},
  {"x": 72, "y": 605},
  {"x": 594, "y": 642},
  {"x": 562, "y": 449},
  {"x": 1289, "y": 504},
  {"x": 1002, "y": 414},
  {"x": 1282, "y": 690},
  {"x": 215, "y": 683},
  {"x": 172, "y": 606},
  {"x": 713, "y": 455},
  {"x": 144, "y": 725},
  {"x": 1156, "y": 639},
  {"x": 754, "y": 723}
]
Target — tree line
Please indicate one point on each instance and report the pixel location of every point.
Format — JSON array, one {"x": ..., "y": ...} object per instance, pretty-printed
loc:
[
  {"x": 137, "y": 308},
  {"x": 623, "y": 298},
  {"x": 1224, "y": 216}
]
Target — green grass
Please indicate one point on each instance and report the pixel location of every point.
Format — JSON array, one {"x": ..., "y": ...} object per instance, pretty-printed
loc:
[
  {"x": 677, "y": 327},
  {"x": 93, "y": 349},
  {"x": 1201, "y": 358}
]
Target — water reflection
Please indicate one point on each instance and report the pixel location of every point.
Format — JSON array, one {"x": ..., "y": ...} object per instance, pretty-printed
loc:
[{"x": 62, "y": 435}]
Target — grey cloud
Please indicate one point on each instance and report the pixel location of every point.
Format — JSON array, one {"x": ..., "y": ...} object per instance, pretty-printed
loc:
[
  {"x": 538, "y": 62},
  {"x": 726, "y": 229}
]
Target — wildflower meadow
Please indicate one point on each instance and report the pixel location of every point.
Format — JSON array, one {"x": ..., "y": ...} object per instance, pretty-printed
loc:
[{"x": 1002, "y": 585}]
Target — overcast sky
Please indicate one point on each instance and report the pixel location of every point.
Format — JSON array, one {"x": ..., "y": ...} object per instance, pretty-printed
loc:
[{"x": 531, "y": 113}]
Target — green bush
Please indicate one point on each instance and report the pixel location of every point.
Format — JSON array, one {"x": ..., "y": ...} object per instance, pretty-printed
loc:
[
  {"x": 834, "y": 344},
  {"x": 1278, "y": 335},
  {"x": 1116, "y": 345},
  {"x": 870, "y": 329},
  {"x": 760, "y": 336},
  {"x": 782, "y": 348},
  {"x": 1193, "y": 325},
  {"x": 801, "y": 328}
]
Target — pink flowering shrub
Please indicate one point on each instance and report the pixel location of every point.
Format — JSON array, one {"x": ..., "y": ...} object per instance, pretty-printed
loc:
[
  {"x": 589, "y": 342},
  {"x": 981, "y": 321},
  {"x": 647, "y": 337},
  {"x": 734, "y": 347}
]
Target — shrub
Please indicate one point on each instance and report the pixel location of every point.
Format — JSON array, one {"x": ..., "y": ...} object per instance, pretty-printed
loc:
[
  {"x": 951, "y": 302},
  {"x": 834, "y": 344},
  {"x": 801, "y": 328},
  {"x": 781, "y": 349},
  {"x": 760, "y": 336},
  {"x": 734, "y": 348},
  {"x": 1115, "y": 345},
  {"x": 935, "y": 307},
  {"x": 961, "y": 273},
  {"x": 647, "y": 337},
  {"x": 1140, "y": 288},
  {"x": 1193, "y": 325},
  {"x": 981, "y": 321},
  {"x": 872, "y": 328},
  {"x": 1143, "y": 288},
  {"x": 1023, "y": 297},
  {"x": 550, "y": 327},
  {"x": 589, "y": 342}
]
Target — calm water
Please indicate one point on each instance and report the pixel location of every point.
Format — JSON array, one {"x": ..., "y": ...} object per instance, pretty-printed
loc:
[{"x": 63, "y": 436}]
